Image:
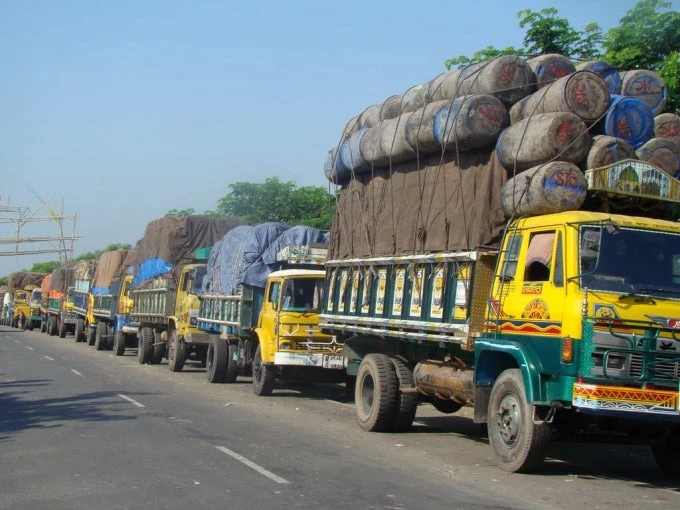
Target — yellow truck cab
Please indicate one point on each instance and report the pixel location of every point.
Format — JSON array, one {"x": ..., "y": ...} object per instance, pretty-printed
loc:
[
  {"x": 288, "y": 326},
  {"x": 22, "y": 308}
]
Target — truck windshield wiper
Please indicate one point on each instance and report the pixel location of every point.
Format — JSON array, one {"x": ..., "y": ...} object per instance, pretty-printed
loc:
[{"x": 645, "y": 290}]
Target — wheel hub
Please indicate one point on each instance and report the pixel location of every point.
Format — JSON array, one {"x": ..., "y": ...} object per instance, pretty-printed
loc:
[
  {"x": 367, "y": 391},
  {"x": 509, "y": 420}
]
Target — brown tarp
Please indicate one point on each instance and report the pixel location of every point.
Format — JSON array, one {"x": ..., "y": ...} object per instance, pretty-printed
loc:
[
  {"x": 84, "y": 269},
  {"x": 175, "y": 240},
  {"x": 21, "y": 279},
  {"x": 63, "y": 277},
  {"x": 443, "y": 205},
  {"x": 109, "y": 264}
]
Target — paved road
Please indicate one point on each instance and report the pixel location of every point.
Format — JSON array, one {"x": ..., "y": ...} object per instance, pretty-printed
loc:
[{"x": 84, "y": 429}]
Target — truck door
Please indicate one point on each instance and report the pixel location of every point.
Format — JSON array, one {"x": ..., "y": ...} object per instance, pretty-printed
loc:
[{"x": 530, "y": 294}]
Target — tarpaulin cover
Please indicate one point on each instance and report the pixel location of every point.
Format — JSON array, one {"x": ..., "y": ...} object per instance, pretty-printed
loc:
[
  {"x": 21, "y": 279},
  {"x": 299, "y": 235},
  {"x": 235, "y": 252},
  {"x": 63, "y": 277},
  {"x": 445, "y": 205},
  {"x": 110, "y": 264},
  {"x": 84, "y": 269},
  {"x": 174, "y": 241}
]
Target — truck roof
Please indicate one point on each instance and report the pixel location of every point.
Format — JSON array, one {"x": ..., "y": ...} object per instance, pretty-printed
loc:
[
  {"x": 588, "y": 216},
  {"x": 291, "y": 273}
]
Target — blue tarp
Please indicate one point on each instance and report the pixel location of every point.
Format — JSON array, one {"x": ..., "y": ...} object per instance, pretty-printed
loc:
[
  {"x": 151, "y": 268},
  {"x": 300, "y": 235},
  {"x": 238, "y": 249}
]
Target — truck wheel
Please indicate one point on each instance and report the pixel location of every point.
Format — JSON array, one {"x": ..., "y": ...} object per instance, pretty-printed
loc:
[
  {"x": 216, "y": 360},
  {"x": 232, "y": 364},
  {"x": 520, "y": 444},
  {"x": 375, "y": 393},
  {"x": 118, "y": 343},
  {"x": 29, "y": 325},
  {"x": 80, "y": 330},
  {"x": 407, "y": 401},
  {"x": 92, "y": 333},
  {"x": 177, "y": 352},
  {"x": 158, "y": 348},
  {"x": 43, "y": 326},
  {"x": 62, "y": 329},
  {"x": 52, "y": 325},
  {"x": 667, "y": 452},
  {"x": 99, "y": 336},
  {"x": 145, "y": 349},
  {"x": 263, "y": 376}
]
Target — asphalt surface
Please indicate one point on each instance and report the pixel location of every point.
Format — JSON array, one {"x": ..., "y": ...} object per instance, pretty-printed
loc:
[{"x": 84, "y": 429}]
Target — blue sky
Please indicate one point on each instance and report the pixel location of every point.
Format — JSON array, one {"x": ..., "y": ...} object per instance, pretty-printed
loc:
[{"x": 126, "y": 109}]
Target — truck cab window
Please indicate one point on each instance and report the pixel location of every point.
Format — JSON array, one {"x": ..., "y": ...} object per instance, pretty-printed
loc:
[
  {"x": 303, "y": 294},
  {"x": 539, "y": 257},
  {"x": 512, "y": 255},
  {"x": 274, "y": 292}
]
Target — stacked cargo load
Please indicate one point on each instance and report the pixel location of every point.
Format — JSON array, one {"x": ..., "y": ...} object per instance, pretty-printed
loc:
[
  {"x": 166, "y": 280},
  {"x": 260, "y": 302}
]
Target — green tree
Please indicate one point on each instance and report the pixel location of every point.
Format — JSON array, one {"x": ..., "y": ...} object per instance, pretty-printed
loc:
[
  {"x": 45, "y": 267},
  {"x": 3, "y": 280},
  {"x": 177, "y": 213},
  {"x": 274, "y": 200},
  {"x": 546, "y": 32},
  {"x": 648, "y": 37}
]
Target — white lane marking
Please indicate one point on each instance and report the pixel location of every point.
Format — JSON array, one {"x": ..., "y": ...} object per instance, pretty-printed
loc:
[
  {"x": 17, "y": 341},
  {"x": 30, "y": 348},
  {"x": 76, "y": 372},
  {"x": 252, "y": 465},
  {"x": 47, "y": 357},
  {"x": 340, "y": 403},
  {"x": 125, "y": 397}
]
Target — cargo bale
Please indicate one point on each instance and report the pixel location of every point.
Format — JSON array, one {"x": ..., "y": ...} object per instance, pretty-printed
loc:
[
  {"x": 508, "y": 77},
  {"x": 550, "y": 67},
  {"x": 628, "y": 118},
  {"x": 553, "y": 187},
  {"x": 470, "y": 122},
  {"x": 647, "y": 86},
  {"x": 542, "y": 138},
  {"x": 663, "y": 153},
  {"x": 606, "y": 150},
  {"x": 667, "y": 125},
  {"x": 605, "y": 71}
]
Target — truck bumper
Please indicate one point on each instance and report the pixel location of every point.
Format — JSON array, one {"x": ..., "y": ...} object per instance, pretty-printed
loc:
[
  {"x": 304, "y": 359},
  {"x": 634, "y": 403}
]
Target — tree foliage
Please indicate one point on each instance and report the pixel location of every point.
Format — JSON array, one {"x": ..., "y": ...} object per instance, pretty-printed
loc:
[
  {"x": 647, "y": 37},
  {"x": 274, "y": 200},
  {"x": 178, "y": 213},
  {"x": 45, "y": 267}
]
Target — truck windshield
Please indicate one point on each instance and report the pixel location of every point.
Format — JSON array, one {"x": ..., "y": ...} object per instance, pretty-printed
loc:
[
  {"x": 630, "y": 261},
  {"x": 37, "y": 296},
  {"x": 302, "y": 295},
  {"x": 197, "y": 281}
]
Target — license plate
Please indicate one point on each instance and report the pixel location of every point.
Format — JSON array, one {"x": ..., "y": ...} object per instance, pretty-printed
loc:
[{"x": 329, "y": 361}]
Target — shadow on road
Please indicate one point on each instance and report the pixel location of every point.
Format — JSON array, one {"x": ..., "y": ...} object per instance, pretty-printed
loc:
[{"x": 21, "y": 412}]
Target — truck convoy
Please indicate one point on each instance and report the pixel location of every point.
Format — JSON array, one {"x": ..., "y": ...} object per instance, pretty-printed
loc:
[
  {"x": 166, "y": 286},
  {"x": 469, "y": 268},
  {"x": 260, "y": 305},
  {"x": 505, "y": 238},
  {"x": 78, "y": 301}
]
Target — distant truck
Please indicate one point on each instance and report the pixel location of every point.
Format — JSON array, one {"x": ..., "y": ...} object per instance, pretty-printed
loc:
[
  {"x": 110, "y": 303},
  {"x": 166, "y": 313},
  {"x": 273, "y": 331},
  {"x": 170, "y": 262},
  {"x": 25, "y": 311}
]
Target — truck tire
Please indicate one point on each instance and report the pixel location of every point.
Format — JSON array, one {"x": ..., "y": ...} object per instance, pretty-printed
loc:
[
  {"x": 520, "y": 443},
  {"x": 92, "y": 334},
  {"x": 375, "y": 394},
  {"x": 100, "y": 336},
  {"x": 667, "y": 452},
  {"x": 80, "y": 330},
  {"x": 62, "y": 329},
  {"x": 263, "y": 376},
  {"x": 159, "y": 348},
  {"x": 43, "y": 325},
  {"x": 407, "y": 401},
  {"x": 232, "y": 364},
  {"x": 119, "y": 343},
  {"x": 177, "y": 351},
  {"x": 145, "y": 349},
  {"x": 216, "y": 360},
  {"x": 52, "y": 325}
]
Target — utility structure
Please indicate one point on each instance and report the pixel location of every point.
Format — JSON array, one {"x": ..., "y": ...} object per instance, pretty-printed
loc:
[{"x": 25, "y": 244}]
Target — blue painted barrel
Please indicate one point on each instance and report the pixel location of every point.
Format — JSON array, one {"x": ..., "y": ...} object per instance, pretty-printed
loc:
[
  {"x": 630, "y": 119},
  {"x": 605, "y": 71},
  {"x": 350, "y": 159},
  {"x": 332, "y": 170}
]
